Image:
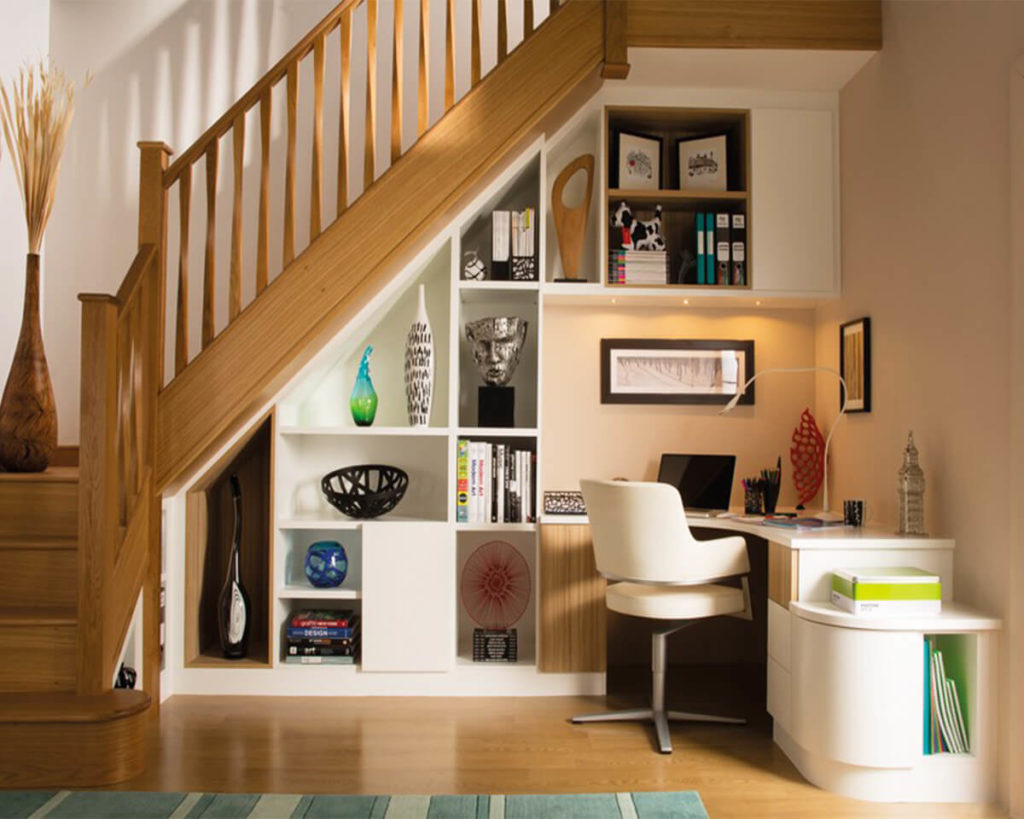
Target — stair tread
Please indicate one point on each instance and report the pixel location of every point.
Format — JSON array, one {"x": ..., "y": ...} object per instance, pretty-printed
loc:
[
  {"x": 38, "y": 616},
  {"x": 59, "y": 542},
  {"x": 53, "y": 474},
  {"x": 70, "y": 707}
]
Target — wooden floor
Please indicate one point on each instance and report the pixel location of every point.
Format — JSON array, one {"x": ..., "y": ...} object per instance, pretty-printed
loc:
[{"x": 477, "y": 745}]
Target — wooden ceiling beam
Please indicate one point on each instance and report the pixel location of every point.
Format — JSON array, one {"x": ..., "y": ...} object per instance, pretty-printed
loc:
[{"x": 800, "y": 24}]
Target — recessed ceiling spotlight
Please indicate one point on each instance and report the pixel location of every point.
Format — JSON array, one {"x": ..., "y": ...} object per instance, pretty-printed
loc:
[
  {"x": 613, "y": 301},
  {"x": 686, "y": 301},
  {"x": 757, "y": 303}
]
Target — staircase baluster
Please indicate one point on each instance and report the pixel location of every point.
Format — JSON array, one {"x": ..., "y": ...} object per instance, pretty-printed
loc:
[
  {"x": 184, "y": 210},
  {"x": 344, "y": 110},
  {"x": 316, "y": 170},
  {"x": 263, "y": 239},
  {"x": 474, "y": 41},
  {"x": 289, "y": 173},
  {"x": 235, "y": 279},
  {"x": 502, "y": 30},
  {"x": 422, "y": 104},
  {"x": 527, "y": 18},
  {"x": 449, "y": 56},
  {"x": 209, "y": 269},
  {"x": 397, "y": 59},
  {"x": 370, "y": 143}
]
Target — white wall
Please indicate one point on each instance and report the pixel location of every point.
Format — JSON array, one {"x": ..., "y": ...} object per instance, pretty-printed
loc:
[
  {"x": 166, "y": 70},
  {"x": 926, "y": 254},
  {"x": 24, "y": 35}
]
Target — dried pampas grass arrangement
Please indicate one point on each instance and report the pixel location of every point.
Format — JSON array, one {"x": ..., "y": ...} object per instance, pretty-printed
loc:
[{"x": 35, "y": 112}]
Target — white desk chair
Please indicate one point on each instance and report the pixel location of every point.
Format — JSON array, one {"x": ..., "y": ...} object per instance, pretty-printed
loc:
[{"x": 657, "y": 570}]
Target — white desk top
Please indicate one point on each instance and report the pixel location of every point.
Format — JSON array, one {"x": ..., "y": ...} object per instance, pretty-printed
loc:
[
  {"x": 954, "y": 619},
  {"x": 832, "y": 537}
]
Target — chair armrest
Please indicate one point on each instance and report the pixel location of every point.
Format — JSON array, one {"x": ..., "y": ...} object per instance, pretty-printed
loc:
[{"x": 723, "y": 557}]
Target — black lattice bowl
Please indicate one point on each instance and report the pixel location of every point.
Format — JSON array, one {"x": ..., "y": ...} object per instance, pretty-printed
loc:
[{"x": 365, "y": 491}]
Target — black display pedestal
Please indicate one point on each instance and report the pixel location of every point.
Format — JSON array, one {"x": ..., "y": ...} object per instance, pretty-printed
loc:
[{"x": 496, "y": 406}]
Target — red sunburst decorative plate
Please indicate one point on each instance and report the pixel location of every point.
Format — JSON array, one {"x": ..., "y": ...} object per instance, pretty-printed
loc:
[{"x": 495, "y": 585}]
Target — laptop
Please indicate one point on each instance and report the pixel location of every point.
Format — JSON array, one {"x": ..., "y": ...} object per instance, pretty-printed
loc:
[{"x": 703, "y": 481}]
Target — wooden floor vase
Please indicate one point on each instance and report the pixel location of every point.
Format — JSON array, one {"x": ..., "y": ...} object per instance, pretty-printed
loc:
[{"x": 28, "y": 413}]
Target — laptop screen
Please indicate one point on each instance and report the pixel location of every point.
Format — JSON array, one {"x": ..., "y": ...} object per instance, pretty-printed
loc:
[{"x": 704, "y": 481}]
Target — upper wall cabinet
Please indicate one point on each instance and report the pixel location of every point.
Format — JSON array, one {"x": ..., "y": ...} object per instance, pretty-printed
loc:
[
  {"x": 745, "y": 199},
  {"x": 794, "y": 224}
]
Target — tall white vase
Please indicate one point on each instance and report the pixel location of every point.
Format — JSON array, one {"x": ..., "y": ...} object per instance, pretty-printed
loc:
[{"x": 419, "y": 367}]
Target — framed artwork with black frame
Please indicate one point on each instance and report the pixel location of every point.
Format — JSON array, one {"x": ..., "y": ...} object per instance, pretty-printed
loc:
[
  {"x": 702, "y": 163},
  {"x": 637, "y": 161},
  {"x": 855, "y": 364},
  {"x": 675, "y": 371}
]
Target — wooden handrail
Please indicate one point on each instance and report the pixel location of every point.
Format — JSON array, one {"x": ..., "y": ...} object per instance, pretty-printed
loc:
[{"x": 253, "y": 95}]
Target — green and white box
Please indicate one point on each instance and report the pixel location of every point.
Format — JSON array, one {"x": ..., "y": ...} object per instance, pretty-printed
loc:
[{"x": 887, "y": 590}]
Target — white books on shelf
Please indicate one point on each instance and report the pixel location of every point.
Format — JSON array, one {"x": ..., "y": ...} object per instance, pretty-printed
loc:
[
  {"x": 945, "y": 705},
  {"x": 500, "y": 235}
]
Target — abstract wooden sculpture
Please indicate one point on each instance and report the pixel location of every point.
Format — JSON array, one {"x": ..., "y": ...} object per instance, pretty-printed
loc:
[{"x": 571, "y": 223}]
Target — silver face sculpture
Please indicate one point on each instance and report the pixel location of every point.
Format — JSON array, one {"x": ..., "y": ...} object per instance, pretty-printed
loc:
[{"x": 497, "y": 343}]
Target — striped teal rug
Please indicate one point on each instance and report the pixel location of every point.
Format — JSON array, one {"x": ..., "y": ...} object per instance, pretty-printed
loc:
[{"x": 155, "y": 805}]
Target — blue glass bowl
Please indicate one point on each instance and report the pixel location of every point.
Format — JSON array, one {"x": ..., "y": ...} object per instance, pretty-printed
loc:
[{"x": 326, "y": 564}]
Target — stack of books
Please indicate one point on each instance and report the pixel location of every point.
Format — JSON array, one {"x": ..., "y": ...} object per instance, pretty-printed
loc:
[
  {"x": 322, "y": 637},
  {"x": 638, "y": 267},
  {"x": 496, "y": 483},
  {"x": 945, "y": 730}
]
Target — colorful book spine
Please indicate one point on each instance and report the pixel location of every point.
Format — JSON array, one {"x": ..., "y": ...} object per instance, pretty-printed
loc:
[
  {"x": 701, "y": 258},
  {"x": 709, "y": 248},
  {"x": 722, "y": 253},
  {"x": 341, "y": 618},
  {"x": 462, "y": 481},
  {"x": 301, "y": 632},
  {"x": 738, "y": 236},
  {"x": 320, "y": 660}
]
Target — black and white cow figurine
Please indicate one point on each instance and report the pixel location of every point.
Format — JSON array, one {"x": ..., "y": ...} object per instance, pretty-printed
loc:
[{"x": 638, "y": 234}]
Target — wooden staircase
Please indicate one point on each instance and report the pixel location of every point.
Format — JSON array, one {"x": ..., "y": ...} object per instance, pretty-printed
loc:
[
  {"x": 49, "y": 735},
  {"x": 78, "y": 545}
]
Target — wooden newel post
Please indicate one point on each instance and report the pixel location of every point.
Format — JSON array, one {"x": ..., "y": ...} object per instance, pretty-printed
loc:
[
  {"x": 616, "y": 59},
  {"x": 152, "y": 230},
  {"x": 97, "y": 487}
]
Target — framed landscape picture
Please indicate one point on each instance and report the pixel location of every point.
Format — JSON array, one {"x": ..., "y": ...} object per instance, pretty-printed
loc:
[
  {"x": 675, "y": 371},
  {"x": 702, "y": 164},
  {"x": 638, "y": 161},
  {"x": 855, "y": 364}
]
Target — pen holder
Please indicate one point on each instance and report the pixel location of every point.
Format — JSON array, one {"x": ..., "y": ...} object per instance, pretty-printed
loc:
[
  {"x": 752, "y": 500},
  {"x": 771, "y": 497}
]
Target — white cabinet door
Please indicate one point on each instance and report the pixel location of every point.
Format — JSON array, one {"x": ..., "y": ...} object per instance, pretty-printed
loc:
[
  {"x": 794, "y": 246},
  {"x": 857, "y": 695},
  {"x": 408, "y": 621}
]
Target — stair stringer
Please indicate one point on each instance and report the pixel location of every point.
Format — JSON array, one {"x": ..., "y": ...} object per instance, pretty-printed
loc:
[{"x": 340, "y": 273}]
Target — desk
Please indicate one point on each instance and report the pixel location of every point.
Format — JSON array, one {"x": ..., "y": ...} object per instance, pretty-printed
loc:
[{"x": 832, "y": 678}]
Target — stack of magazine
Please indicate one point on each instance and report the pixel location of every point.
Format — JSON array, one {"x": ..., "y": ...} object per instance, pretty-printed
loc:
[{"x": 945, "y": 730}]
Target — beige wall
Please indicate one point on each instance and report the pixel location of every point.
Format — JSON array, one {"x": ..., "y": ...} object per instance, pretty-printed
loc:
[
  {"x": 24, "y": 32},
  {"x": 925, "y": 197},
  {"x": 583, "y": 438}
]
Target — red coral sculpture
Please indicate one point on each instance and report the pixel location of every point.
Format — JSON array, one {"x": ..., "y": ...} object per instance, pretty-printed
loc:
[
  {"x": 808, "y": 457},
  {"x": 495, "y": 585}
]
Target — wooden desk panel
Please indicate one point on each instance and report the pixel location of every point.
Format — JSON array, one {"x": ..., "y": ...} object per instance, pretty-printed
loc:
[
  {"x": 783, "y": 564},
  {"x": 573, "y": 616}
]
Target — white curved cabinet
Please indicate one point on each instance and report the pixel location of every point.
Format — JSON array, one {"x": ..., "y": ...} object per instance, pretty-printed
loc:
[{"x": 860, "y": 694}]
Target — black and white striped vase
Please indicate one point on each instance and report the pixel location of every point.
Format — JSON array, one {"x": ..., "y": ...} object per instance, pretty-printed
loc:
[{"x": 419, "y": 367}]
